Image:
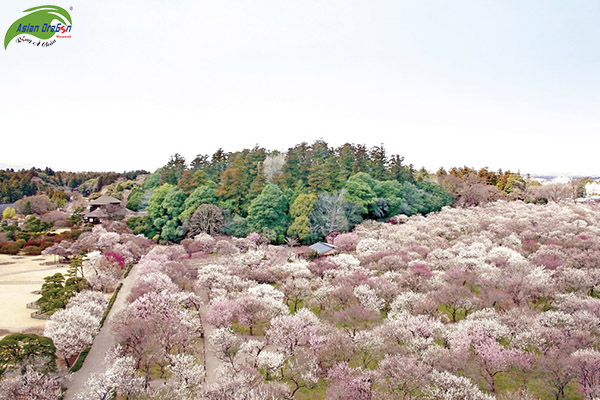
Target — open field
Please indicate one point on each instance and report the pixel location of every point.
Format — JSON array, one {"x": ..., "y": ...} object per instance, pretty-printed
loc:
[{"x": 19, "y": 277}]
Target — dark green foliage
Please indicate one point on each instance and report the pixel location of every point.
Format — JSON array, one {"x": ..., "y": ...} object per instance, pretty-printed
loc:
[
  {"x": 153, "y": 180},
  {"x": 53, "y": 296},
  {"x": 300, "y": 212},
  {"x": 268, "y": 213},
  {"x": 112, "y": 300},
  {"x": 19, "y": 348},
  {"x": 76, "y": 219},
  {"x": 164, "y": 210},
  {"x": 205, "y": 194},
  {"x": 238, "y": 226},
  {"x": 80, "y": 359},
  {"x": 360, "y": 190},
  {"x": 374, "y": 185},
  {"x": 35, "y": 225},
  {"x": 56, "y": 292},
  {"x": 134, "y": 201},
  {"x": 300, "y": 229},
  {"x": 173, "y": 171},
  {"x": 142, "y": 225},
  {"x": 76, "y": 265}
]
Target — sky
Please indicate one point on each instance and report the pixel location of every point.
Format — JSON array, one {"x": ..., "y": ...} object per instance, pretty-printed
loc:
[{"x": 506, "y": 84}]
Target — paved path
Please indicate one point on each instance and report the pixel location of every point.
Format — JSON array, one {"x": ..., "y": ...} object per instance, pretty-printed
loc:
[
  {"x": 211, "y": 363},
  {"x": 94, "y": 362}
]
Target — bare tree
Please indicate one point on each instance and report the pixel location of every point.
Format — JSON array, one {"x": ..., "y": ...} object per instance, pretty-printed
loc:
[
  {"x": 333, "y": 214},
  {"x": 207, "y": 218}
]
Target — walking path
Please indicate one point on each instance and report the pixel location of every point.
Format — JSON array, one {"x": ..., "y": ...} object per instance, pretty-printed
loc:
[
  {"x": 94, "y": 362},
  {"x": 211, "y": 363}
]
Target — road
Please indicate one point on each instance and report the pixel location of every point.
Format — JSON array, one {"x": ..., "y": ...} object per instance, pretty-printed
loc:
[{"x": 94, "y": 363}]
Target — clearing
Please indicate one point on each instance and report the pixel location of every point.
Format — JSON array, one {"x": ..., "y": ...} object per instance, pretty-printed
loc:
[{"x": 20, "y": 276}]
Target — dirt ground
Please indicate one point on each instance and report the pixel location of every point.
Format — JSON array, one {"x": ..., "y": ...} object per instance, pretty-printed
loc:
[{"x": 19, "y": 277}]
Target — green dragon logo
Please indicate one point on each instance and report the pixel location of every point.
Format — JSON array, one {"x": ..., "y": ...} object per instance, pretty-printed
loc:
[{"x": 39, "y": 23}]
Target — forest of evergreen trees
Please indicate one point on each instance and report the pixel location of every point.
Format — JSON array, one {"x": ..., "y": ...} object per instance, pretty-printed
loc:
[{"x": 304, "y": 194}]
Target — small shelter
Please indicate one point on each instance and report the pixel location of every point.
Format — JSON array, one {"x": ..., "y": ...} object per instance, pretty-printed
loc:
[
  {"x": 323, "y": 249},
  {"x": 104, "y": 201},
  {"x": 101, "y": 208},
  {"x": 95, "y": 216}
]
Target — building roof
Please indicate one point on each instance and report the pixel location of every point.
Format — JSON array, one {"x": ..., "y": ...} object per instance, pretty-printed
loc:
[
  {"x": 321, "y": 247},
  {"x": 97, "y": 213},
  {"x": 104, "y": 201}
]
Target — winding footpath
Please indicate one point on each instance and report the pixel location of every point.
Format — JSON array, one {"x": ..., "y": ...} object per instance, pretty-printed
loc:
[{"x": 94, "y": 363}]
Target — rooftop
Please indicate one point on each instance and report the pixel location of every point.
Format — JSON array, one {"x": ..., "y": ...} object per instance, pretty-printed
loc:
[
  {"x": 104, "y": 200},
  {"x": 321, "y": 247},
  {"x": 97, "y": 213}
]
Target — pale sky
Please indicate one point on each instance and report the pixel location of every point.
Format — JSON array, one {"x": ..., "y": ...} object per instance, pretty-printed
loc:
[{"x": 504, "y": 84}]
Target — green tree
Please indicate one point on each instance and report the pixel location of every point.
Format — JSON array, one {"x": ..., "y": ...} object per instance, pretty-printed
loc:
[
  {"x": 9, "y": 213},
  {"x": 258, "y": 184},
  {"x": 378, "y": 163},
  {"x": 233, "y": 189},
  {"x": 300, "y": 229},
  {"x": 76, "y": 265},
  {"x": 153, "y": 180},
  {"x": 346, "y": 161},
  {"x": 400, "y": 172},
  {"x": 134, "y": 201},
  {"x": 27, "y": 208},
  {"x": 173, "y": 204},
  {"x": 164, "y": 209},
  {"x": 56, "y": 292},
  {"x": 359, "y": 190},
  {"x": 238, "y": 227},
  {"x": 172, "y": 172},
  {"x": 323, "y": 171},
  {"x": 303, "y": 205},
  {"x": 205, "y": 194},
  {"x": 269, "y": 210},
  {"x": 190, "y": 180},
  {"x": 36, "y": 225},
  {"x": 19, "y": 348},
  {"x": 142, "y": 225},
  {"x": 218, "y": 164}
]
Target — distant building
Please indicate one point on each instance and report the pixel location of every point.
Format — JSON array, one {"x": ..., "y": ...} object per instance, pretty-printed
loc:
[
  {"x": 102, "y": 208},
  {"x": 323, "y": 249}
]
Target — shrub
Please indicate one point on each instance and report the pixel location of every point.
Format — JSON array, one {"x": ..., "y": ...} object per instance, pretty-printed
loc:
[
  {"x": 33, "y": 242},
  {"x": 32, "y": 250},
  {"x": 10, "y": 248},
  {"x": 9, "y": 213}
]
